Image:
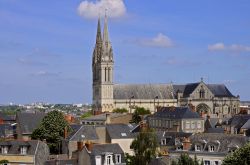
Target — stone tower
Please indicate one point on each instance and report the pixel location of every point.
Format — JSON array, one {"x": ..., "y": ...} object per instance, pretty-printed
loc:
[{"x": 102, "y": 68}]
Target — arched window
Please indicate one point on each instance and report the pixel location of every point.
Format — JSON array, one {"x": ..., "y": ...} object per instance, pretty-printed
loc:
[
  {"x": 105, "y": 72},
  {"x": 202, "y": 93}
]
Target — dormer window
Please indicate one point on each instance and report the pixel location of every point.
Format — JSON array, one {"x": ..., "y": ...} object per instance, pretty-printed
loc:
[
  {"x": 179, "y": 148},
  {"x": 163, "y": 142},
  {"x": 118, "y": 158},
  {"x": 211, "y": 148},
  {"x": 23, "y": 150},
  {"x": 109, "y": 160},
  {"x": 197, "y": 148},
  {"x": 4, "y": 149}
]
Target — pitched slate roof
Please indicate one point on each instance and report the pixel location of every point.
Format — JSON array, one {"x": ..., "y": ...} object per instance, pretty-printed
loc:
[
  {"x": 14, "y": 146},
  {"x": 86, "y": 132},
  {"x": 121, "y": 131},
  {"x": 29, "y": 121},
  {"x": 223, "y": 140},
  {"x": 246, "y": 125},
  {"x": 100, "y": 149},
  {"x": 219, "y": 90},
  {"x": 6, "y": 130},
  {"x": 143, "y": 91},
  {"x": 238, "y": 121},
  {"x": 176, "y": 113},
  {"x": 5, "y": 117},
  {"x": 170, "y": 136}
]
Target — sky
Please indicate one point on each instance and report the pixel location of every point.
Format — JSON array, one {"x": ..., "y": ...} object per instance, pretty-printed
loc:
[{"x": 46, "y": 46}]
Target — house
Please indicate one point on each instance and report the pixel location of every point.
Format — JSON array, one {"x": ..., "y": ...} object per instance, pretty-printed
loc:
[
  {"x": 27, "y": 123},
  {"x": 122, "y": 134},
  {"x": 101, "y": 154},
  {"x": 176, "y": 119},
  {"x": 212, "y": 148},
  {"x": 83, "y": 133},
  {"x": 234, "y": 124},
  {"x": 7, "y": 131},
  {"x": 6, "y": 119},
  {"x": 33, "y": 152},
  {"x": 107, "y": 118}
]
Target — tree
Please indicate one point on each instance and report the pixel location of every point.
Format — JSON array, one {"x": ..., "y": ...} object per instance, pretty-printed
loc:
[
  {"x": 120, "y": 110},
  {"x": 4, "y": 161},
  {"x": 138, "y": 113},
  {"x": 52, "y": 130},
  {"x": 86, "y": 114},
  {"x": 184, "y": 159},
  {"x": 239, "y": 156},
  {"x": 144, "y": 146}
]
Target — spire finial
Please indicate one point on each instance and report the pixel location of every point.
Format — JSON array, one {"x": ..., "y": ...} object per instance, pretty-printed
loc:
[{"x": 201, "y": 79}]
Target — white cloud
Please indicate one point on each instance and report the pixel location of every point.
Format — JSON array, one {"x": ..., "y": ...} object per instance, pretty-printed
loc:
[
  {"x": 89, "y": 10},
  {"x": 160, "y": 40},
  {"x": 234, "y": 47},
  {"x": 45, "y": 73},
  {"x": 216, "y": 47}
]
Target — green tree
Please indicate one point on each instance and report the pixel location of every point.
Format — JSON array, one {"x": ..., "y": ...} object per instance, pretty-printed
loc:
[
  {"x": 240, "y": 156},
  {"x": 4, "y": 161},
  {"x": 145, "y": 147},
  {"x": 120, "y": 110},
  {"x": 86, "y": 114},
  {"x": 138, "y": 114},
  {"x": 184, "y": 159},
  {"x": 52, "y": 129}
]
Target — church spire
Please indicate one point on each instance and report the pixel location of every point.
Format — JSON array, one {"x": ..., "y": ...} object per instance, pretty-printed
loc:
[
  {"x": 105, "y": 31},
  {"x": 99, "y": 34}
]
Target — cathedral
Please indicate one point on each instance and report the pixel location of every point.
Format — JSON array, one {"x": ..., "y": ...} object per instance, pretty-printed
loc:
[{"x": 213, "y": 99}]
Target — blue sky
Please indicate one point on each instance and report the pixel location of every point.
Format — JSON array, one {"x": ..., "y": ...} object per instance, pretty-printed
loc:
[{"x": 46, "y": 46}]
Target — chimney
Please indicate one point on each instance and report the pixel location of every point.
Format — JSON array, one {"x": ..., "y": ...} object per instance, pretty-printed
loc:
[
  {"x": 89, "y": 145},
  {"x": 143, "y": 126},
  {"x": 108, "y": 119},
  {"x": 80, "y": 145},
  {"x": 65, "y": 133},
  {"x": 186, "y": 144}
]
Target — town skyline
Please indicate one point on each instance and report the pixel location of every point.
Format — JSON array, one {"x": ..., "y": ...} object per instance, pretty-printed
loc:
[{"x": 46, "y": 55}]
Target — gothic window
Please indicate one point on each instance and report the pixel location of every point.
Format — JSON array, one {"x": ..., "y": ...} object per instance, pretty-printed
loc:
[
  {"x": 105, "y": 70},
  {"x": 109, "y": 74},
  {"x": 202, "y": 93}
]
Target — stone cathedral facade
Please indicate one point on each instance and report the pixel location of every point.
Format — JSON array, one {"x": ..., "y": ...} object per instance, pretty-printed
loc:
[{"x": 213, "y": 99}]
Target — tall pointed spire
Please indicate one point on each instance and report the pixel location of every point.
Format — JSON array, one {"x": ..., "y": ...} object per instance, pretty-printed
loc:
[
  {"x": 105, "y": 31},
  {"x": 99, "y": 34}
]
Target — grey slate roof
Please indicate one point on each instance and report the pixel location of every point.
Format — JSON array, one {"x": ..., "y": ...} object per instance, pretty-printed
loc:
[
  {"x": 121, "y": 131},
  {"x": 86, "y": 132},
  {"x": 6, "y": 130},
  {"x": 215, "y": 130},
  {"x": 225, "y": 140},
  {"x": 29, "y": 121},
  {"x": 219, "y": 90},
  {"x": 5, "y": 117},
  {"x": 238, "y": 121},
  {"x": 14, "y": 146},
  {"x": 143, "y": 91},
  {"x": 246, "y": 125},
  {"x": 176, "y": 113},
  {"x": 100, "y": 149}
]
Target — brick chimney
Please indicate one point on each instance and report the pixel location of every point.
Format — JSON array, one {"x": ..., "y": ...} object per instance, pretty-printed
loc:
[
  {"x": 80, "y": 145},
  {"x": 65, "y": 133},
  {"x": 89, "y": 145},
  {"x": 186, "y": 144},
  {"x": 108, "y": 118}
]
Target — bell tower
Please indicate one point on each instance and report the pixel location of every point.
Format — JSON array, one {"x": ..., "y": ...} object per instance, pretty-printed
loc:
[{"x": 102, "y": 69}]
